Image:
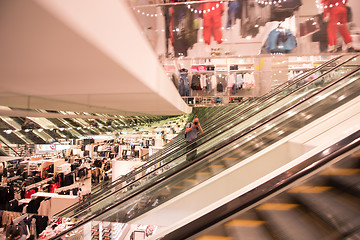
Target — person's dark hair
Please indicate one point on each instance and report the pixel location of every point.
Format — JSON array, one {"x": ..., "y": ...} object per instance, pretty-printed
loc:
[{"x": 13, "y": 232}]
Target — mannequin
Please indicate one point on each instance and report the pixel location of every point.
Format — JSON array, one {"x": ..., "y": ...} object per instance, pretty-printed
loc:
[{"x": 335, "y": 13}]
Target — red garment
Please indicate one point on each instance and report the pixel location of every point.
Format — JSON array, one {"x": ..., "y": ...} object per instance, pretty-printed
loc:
[
  {"x": 337, "y": 13},
  {"x": 52, "y": 188},
  {"x": 29, "y": 193},
  {"x": 211, "y": 13}
]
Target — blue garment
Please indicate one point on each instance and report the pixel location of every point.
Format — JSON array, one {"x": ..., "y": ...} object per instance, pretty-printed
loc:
[
  {"x": 280, "y": 41},
  {"x": 184, "y": 83},
  {"x": 234, "y": 12}
]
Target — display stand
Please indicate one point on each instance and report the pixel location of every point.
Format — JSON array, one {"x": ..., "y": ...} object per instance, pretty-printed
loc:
[
  {"x": 153, "y": 150},
  {"x": 56, "y": 162},
  {"x": 64, "y": 168},
  {"x": 57, "y": 202},
  {"x": 120, "y": 168}
]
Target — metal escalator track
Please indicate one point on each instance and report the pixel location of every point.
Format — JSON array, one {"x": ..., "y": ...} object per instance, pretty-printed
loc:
[
  {"x": 216, "y": 132},
  {"x": 281, "y": 118}
]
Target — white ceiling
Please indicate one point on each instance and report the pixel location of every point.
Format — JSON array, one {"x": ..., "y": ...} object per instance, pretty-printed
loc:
[{"x": 80, "y": 55}]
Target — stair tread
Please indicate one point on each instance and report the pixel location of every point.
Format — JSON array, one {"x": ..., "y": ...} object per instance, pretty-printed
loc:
[
  {"x": 229, "y": 158},
  {"x": 213, "y": 237},
  {"x": 244, "y": 223},
  {"x": 277, "y": 206},
  {"x": 189, "y": 180},
  {"x": 310, "y": 189},
  {"x": 341, "y": 171}
]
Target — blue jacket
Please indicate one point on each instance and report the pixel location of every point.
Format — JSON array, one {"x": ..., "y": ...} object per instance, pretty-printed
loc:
[{"x": 280, "y": 41}]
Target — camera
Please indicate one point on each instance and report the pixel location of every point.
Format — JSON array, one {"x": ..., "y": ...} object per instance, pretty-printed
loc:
[{"x": 196, "y": 123}]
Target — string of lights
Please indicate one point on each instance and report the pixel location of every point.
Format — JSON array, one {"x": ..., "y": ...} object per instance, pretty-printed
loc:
[
  {"x": 262, "y": 2},
  {"x": 147, "y": 14},
  {"x": 192, "y": 9},
  {"x": 270, "y": 2},
  {"x": 325, "y": 6},
  {"x": 204, "y": 11}
]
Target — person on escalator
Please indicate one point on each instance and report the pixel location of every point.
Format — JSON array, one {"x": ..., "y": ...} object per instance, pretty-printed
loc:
[{"x": 192, "y": 129}]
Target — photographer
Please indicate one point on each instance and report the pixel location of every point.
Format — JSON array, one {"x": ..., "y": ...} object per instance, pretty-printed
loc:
[{"x": 192, "y": 128}]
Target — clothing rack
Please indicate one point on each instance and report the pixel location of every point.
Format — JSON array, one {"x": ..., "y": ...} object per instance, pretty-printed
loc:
[
  {"x": 38, "y": 184},
  {"x": 19, "y": 219},
  {"x": 13, "y": 178}
]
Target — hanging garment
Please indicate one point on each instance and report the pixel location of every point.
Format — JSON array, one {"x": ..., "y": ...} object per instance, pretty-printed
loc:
[
  {"x": 221, "y": 85},
  {"x": 183, "y": 30},
  {"x": 254, "y": 15},
  {"x": 321, "y": 34},
  {"x": 41, "y": 223},
  {"x": 184, "y": 83},
  {"x": 280, "y": 41},
  {"x": 231, "y": 81},
  {"x": 249, "y": 81},
  {"x": 165, "y": 11},
  {"x": 284, "y": 9},
  {"x": 239, "y": 81},
  {"x": 203, "y": 81},
  {"x": 234, "y": 12},
  {"x": 213, "y": 81},
  {"x": 195, "y": 82},
  {"x": 209, "y": 87},
  {"x": 336, "y": 12},
  {"x": 211, "y": 13},
  {"x": 33, "y": 228}
]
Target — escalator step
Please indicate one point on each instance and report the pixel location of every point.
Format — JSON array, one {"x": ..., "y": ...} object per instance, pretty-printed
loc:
[
  {"x": 229, "y": 158},
  {"x": 331, "y": 207},
  {"x": 244, "y": 223},
  {"x": 190, "y": 180},
  {"x": 285, "y": 221},
  {"x": 202, "y": 175},
  {"x": 310, "y": 189},
  {"x": 348, "y": 183},
  {"x": 277, "y": 206},
  {"x": 212, "y": 237},
  {"x": 341, "y": 171},
  {"x": 247, "y": 229}
]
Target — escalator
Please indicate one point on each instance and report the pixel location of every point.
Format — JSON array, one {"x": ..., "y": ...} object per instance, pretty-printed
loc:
[
  {"x": 47, "y": 125},
  {"x": 216, "y": 128},
  {"x": 62, "y": 125},
  {"x": 11, "y": 137},
  {"x": 222, "y": 156},
  {"x": 317, "y": 199},
  {"x": 38, "y": 137}
]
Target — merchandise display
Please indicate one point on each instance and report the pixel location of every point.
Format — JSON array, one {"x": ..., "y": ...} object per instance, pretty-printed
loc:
[
  {"x": 44, "y": 184},
  {"x": 233, "y": 79},
  {"x": 191, "y": 29},
  {"x": 257, "y": 61}
]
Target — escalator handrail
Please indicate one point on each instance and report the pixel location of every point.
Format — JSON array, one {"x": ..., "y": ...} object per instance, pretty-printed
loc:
[
  {"x": 141, "y": 169},
  {"x": 83, "y": 221},
  {"x": 10, "y": 148}
]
